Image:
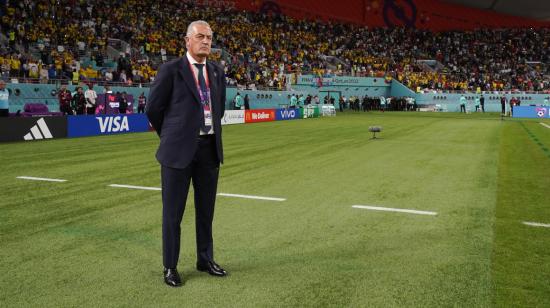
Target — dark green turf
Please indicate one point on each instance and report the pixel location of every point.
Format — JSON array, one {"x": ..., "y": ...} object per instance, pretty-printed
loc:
[
  {"x": 521, "y": 267},
  {"x": 81, "y": 243}
]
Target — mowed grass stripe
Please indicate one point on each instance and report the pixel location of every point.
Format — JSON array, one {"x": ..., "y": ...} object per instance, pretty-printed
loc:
[
  {"x": 521, "y": 255},
  {"x": 536, "y": 138},
  {"x": 353, "y": 169}
]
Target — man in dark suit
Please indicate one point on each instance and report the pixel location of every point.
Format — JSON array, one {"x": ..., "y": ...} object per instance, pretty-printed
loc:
[{"x": 186, "y": 105}]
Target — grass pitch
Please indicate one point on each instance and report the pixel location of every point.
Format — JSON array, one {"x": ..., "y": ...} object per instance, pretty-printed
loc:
[{"x": 82, "y": 243}]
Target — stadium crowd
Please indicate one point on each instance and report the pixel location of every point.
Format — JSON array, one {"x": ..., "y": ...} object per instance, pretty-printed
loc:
[{"x": 48, "y": 39}]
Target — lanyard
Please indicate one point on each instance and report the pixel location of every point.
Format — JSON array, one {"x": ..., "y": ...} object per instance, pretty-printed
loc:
[{"x": 205, "y": 97}]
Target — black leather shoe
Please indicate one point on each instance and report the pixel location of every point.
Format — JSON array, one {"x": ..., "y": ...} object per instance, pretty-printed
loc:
[
  {"x": 172, "y": 277},
  {"x": 211, "y": 268}
]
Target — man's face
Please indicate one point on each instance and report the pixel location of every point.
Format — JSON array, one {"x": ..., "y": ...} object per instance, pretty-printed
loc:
[
  {"x": 2, "y": 85},
  {"x": 199, "y": 42}
]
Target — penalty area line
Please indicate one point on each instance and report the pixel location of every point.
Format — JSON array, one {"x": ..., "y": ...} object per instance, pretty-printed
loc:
[
  {"x": 389, "y": 209},
  {"x": 545, "y": 125},
  {"x": 536, "y": 224},
  {"x": 40, "y": 179},
  {"x": 252, "y": 197}
]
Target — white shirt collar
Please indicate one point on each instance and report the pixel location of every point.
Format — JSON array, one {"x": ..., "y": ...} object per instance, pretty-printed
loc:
[{"x": 192, "y": 60}]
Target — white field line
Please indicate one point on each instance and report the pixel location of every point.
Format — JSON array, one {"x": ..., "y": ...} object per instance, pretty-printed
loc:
[
  {"x": 536, "y": 224},
  {"x": 220, "y": 194},
  {"x": 135, "y": 187},
  {"x": 545, "y": 125},
  {"x": 251, "y": 197},
  {"x": 40, "y": 179},
  {"x": 389, "y": 209}
]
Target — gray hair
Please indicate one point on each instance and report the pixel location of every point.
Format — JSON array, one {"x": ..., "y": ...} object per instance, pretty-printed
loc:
[{"x": 196, "y": 22}]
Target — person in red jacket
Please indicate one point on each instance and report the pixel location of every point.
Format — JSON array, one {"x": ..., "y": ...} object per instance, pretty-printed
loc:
[{"x": 65, "y": 98}]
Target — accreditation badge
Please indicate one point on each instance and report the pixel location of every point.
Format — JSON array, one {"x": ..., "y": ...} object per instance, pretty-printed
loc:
[{"x": 207, "y": 116}]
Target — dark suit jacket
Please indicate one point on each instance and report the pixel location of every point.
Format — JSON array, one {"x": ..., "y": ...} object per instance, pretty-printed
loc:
[{"x": 174, "y": 110}]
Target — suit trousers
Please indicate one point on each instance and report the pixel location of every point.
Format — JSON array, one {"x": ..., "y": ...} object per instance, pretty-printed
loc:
[{"x": 203, "y": 171}]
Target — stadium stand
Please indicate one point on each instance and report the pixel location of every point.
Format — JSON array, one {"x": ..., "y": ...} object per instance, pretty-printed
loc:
[{"x": 123, "y": 42}]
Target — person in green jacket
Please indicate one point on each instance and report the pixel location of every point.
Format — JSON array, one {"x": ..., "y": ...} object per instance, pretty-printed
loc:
[
  {"x": 301, "y": 100},
  {"x": 462, "y": 104},
  {"x": 293, "y": 101},
  {"x": 238, "y": 101}
]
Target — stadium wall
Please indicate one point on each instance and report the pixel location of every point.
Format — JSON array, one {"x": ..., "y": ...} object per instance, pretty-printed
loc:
[
  {"x": 400, "y": 90},
  {"x": 307, "y": 84},
  {"x": 337, "y": 86},
  {"x": 22, "y": 93},
  {"x": 450, "y": 101},
  {"x": 421, "y": 14},
  {"x": 47, "y": 94}
]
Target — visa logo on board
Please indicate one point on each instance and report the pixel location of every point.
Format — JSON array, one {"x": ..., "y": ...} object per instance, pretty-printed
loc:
[{"x": 113, "y": 124}]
